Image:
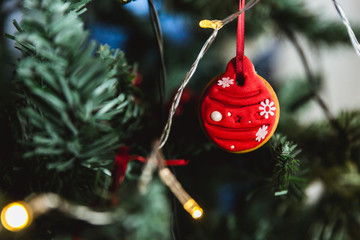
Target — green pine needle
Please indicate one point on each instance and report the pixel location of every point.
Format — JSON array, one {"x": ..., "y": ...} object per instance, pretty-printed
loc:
[
  {"x": 286, "y": 166},
  {"x": 73, "y": 100}
]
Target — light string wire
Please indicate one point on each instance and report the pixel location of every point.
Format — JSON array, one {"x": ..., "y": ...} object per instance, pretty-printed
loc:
[
  {"x": 346, "y": 22},
  {"x": 155, "y": 22},
  {"x": 46, "y": 202},
  {"x": 217, "y": 25},
  {"x": 37, "y": 205},
  {"x": 162, "y": 85}
]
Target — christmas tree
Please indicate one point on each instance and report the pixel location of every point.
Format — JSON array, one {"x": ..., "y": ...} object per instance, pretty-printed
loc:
[{"x": 85, "y": 92}]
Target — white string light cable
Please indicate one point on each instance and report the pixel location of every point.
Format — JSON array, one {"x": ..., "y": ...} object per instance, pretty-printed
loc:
[
  {"x": 346, "y": 22},
  {"x": 157, "y": 161},
  {"x": 18, "y": 215},
  {"x": 216, "y": 25}
]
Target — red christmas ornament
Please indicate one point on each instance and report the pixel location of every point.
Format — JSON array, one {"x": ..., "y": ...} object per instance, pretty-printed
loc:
[
  {"x": 239, "y": 109},
  {"x": 239, "y": 118}
]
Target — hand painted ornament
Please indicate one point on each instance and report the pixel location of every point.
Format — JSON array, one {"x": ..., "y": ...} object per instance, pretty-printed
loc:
[
  {"x": 239, "y": 118},
  {"x": 239, "y": 109}
]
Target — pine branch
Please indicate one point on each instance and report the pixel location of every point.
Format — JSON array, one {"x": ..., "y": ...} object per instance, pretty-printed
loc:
[
  {"x": 78, "y": 5},
  {"x": 323, "y": 136},
  {"x": 286, "y": 166},
  {"x": 74, "y": 107}
]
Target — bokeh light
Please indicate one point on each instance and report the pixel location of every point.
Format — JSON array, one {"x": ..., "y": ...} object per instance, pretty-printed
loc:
[{"x": 15, "y": 216}]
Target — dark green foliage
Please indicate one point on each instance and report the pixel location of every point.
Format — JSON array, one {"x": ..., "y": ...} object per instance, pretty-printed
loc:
[
  {"x": 68, "y": 95},
  {"x": 286, "y": 166},
  {"x": 120, "y": 70},
  {"x": 74, "y": 104}
]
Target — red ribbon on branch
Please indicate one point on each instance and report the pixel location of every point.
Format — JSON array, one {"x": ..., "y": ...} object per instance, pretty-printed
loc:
[{"x": 122, "y": 159}]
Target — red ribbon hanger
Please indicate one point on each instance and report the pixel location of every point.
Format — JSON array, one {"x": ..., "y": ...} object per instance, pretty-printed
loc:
[{"x": 240, "y": 42}]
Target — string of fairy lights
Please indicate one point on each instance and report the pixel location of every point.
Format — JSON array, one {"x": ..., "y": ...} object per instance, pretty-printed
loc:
[
  {"x": 18, "y": 215},
  {"x": 346, "y": 22}
]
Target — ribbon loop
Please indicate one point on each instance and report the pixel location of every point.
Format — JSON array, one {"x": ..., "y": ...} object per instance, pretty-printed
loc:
[{"x": 240, "y": 42}]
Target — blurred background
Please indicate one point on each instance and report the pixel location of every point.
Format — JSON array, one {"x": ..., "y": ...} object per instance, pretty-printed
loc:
[{"x": 338, "y": 63}]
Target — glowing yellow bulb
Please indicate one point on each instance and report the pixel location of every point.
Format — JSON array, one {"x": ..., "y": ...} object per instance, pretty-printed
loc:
[
  {"x": 193, "y": 208},
  {"x": 211, "y": 24},
  {"x": 15, "y": 216},
  {"x": 196, "y": 212}
]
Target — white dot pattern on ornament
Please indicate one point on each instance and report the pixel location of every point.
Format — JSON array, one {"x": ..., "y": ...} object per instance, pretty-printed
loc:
[{"x": 216, "y": 116}]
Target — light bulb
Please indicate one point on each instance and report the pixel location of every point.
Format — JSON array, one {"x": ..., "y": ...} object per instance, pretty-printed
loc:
[
  {"x": 196, "y": 213},
  {"x": 15, "y": 216},
  {"x": 211, "y": 24},
  {"x": 184, "y": 198},
  {"x": 193, "y": 208}
]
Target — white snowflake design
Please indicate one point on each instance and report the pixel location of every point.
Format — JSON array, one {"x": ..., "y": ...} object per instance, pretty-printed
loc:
[
  {"x": 225, "y": 82},
  {"x": 267, "y": 108},
  {"x": 261, "y": 133}
]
